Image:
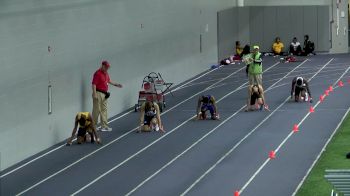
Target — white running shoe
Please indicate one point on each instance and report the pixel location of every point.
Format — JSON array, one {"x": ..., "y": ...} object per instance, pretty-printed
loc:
[
  {"x": 105, "y": 129},
  {"x": 306, "y": 97},
  {"x": 156, "y": 128}
]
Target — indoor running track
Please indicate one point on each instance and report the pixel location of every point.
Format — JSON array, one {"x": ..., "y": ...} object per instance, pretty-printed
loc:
[{"x": 202, "y": 157}]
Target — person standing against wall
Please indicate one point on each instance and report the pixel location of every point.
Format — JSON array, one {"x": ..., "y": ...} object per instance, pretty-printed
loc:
[{"x": 100, "y": 94}]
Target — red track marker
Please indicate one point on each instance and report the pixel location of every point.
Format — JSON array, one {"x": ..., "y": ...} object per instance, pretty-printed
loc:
[
  {"x": 331, "y": 88},
  {"x": 322, "y": 98},
  {"x": 340, "y": 83},
  {"x": 295, "y": 128},
  {"x": 272, "y": 154},
  {"x": 236, "y": 193},
  {"x": 326, "y": 92},
  {"x": 312, "y": 110}
]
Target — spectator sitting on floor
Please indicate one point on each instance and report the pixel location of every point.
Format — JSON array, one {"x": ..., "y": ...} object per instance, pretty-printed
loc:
[
  {"x": 295, "y": 48},
  {"x": 237, "y": 55},
  {"x": 309, "y": 46},
  {"x": 150, "y": 117},
  {"x": 239, "y": 48},
  {"x": 277, "y": 47},
  {"x": 205, "y": 103},
  {"x": 87, "y": 130}
]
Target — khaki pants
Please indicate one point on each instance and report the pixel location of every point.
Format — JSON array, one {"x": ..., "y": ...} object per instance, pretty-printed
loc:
[
  {"x": 255, "y": 79},
  {"x": 100, "y": 109}
]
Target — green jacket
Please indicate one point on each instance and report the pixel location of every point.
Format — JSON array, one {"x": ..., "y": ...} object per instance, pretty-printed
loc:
[{"x": 256, "y": 66}]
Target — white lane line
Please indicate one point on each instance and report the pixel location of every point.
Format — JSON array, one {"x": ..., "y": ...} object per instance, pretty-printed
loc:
[
  {"x": 135, "y": 154},
  {"x": 203, "y": 137},
  {"x": 112, "y": 120},
  {"x": 284, "y": 141},
  {"x": 231, "y": 150},
  {"x": 324, "y": 147},
  {"x": 49, "y": 152},
  {"x": 143, "y": 149},
  {"x": 179, "y": 87},
  {"x": 322, "y": 150},
  {"x": 300, "y": 72},
  {"x": 179, "y": 155},
  {"x": 282, "y": 73},
  {"x": 328, "y": 77},
  {"x": 122, "y": 136},
  {"x": 241, "y": 141}
]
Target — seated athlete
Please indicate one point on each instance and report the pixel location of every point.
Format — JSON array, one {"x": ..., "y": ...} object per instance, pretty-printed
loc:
[
  {"x": 309, "y": 46},
  {"x": 205, "y": 103},
  {"x": 300, "y": 90},
  {"x": 294, "y": 47},
  {"x": 150, "y": 117},
  {"x": 277, "y": 47},
  {"x": 256, "y": 99},
  {"x": 87, "y": 130}
]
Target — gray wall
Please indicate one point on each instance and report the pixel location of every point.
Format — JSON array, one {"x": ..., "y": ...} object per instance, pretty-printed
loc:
[
  {"x": 81, "y": 34},
  {"x": 285, "y": 2},
  {"x": 260, "y": 25},
  {"x": 339, "y": 42},
  {"x": 233, "y": 25},
  {"x": 287, "y": 22}
]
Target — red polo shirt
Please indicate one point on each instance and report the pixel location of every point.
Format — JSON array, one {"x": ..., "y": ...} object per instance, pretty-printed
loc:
[{"x": 101, "y": 80}]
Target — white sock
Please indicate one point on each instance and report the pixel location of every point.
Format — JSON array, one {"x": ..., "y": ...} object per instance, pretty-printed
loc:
[{"x": 156, "y": 128}]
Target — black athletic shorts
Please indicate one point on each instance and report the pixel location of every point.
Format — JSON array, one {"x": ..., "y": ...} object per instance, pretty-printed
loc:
[
  {"x": 148, "y": 120},
  {"x": 82, "y": 133},
  {"x": 298, "y": 90},
  {"x": 254, "y": 97}
]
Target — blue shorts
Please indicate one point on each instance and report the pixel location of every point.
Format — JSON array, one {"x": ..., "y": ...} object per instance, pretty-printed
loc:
[{"x": 206, "y": 108}]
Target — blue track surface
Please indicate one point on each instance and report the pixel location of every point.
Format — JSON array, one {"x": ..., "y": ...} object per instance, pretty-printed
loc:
[{"x": 202, "y": 157}]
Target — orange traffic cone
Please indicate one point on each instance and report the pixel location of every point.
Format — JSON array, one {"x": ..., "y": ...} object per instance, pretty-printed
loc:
[
  {"x": 295, "y": 128},
  {"x": 236, "y": 193},
  {"x": 272, "y": 154},
  {"x": 311, "y": 109},
  {"x": 340, "y": 83},
  {"x": 330, "y": 88}
]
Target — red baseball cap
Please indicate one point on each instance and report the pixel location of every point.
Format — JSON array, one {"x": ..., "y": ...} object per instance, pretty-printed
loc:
[{"x": 106, "y": 63}]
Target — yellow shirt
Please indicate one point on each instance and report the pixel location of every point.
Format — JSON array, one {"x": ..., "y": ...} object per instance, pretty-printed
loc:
[
  {"x": 87, "y": 122},
  {"x": 277, "y": 47},
  {"x": 239, "y": 50}
]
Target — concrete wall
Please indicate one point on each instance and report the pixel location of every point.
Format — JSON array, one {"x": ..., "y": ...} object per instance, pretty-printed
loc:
[
  {"x": 339, "y": 42},
  {"x": 339, "y": 30},
  {"x": 233, "y": 25},
  {"x": 287, "y": 22},
  {"x": 260, "y": 25},
  {"x": 285, "y": 2},
  {"x": 136, "y": 36}
]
